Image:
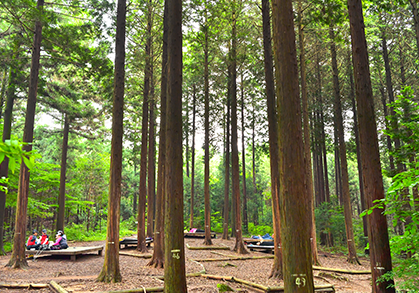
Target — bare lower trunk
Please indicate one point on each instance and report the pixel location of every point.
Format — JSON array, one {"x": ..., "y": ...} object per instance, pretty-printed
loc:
[
  {"x": 61, "y": 197},
  {"x": 18, "y": 259}
]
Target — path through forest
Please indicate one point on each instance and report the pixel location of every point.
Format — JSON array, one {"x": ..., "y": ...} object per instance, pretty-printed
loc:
[{"x": 80, "y": 276}]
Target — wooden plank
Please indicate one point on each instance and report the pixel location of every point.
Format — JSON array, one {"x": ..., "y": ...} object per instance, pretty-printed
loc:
[
  {"x": 343, "y": 271},
  {"x": 71, "y": 251},
  {"x": 209, "y": 247},
  {"x": 199, "y": 235},
  {"x": 23, "y": 286}
]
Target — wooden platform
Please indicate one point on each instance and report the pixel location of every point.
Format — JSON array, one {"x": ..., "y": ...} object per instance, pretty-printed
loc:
[
  {"x": 198, "y": 235},
  {"x": 269, "y": 248},
  {"x": 132, "y": 241},
  {"x": 73, "y": 252}
]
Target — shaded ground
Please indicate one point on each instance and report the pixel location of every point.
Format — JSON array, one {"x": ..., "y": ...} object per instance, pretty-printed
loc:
[{"x": 80, "y": 276}]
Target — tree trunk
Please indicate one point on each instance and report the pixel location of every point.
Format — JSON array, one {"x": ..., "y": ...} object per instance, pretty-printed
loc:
[
  {"x": 3, "y": 90},
  {"x": 18, "y": 259},
  {"x": 7, "y": 130},
  {"x": 306, "y": 133},
  {"x": 295, "y": 235},
  {"x": 346, "y": 196},
  {"x": 174, "y": 269},
  {"x": 142, "y": 201},
  {"x": 380, "y": 256},
  {"x": 245, "y": 218},
  {"x": 110, "y": 270},
  {"x": 358, "y": 152},
  {"x": 61, "y": 196},
  {"x": 239, "y": 246},
  {"x": 276, "y": 271},
  {"x": 191, "y": 218},
  {"x": 157, "y": 259},
  {"x": 255, "y": 189},
  {"x": 227, "y": 164},
  {"x": 207, "y": 240},
  {"x": 151, "y": 167},
  {"x": 414, "y": 5}
]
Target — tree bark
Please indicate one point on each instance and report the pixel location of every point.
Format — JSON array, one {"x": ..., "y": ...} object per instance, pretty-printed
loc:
[
  {"x": 142, "y": 201},
  {"x": 276, "y": 271},
  {"x": 306, "y": 133},
  {"x": 380, "y": 256},
  {"x": 157, "y": 259},
  {"x": 239, "y": 246},
  {"x": 245, "y": 218},
  {"x": 295, "y": 230},
  {"x": 346, "y": 197},
  {"x": 151, "y": 164},
  {"x": 227, "y": 164},
  {"x": 7, "y": 130},
  {"x": 207, "y": 240},
  {"x": 174, "y": 269},
  {"x": 18, "y": 259},
  {"x": 191, "y": 218},
  {"x": 110, "y": 270},
  {"x": 61, "y": 196}
]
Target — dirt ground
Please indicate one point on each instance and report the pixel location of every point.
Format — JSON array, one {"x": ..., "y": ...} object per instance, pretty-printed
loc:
[{"x": 80, "y": 276}]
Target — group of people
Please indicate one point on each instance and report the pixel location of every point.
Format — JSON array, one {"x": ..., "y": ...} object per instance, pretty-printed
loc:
[{"x": 35, "y": 243}]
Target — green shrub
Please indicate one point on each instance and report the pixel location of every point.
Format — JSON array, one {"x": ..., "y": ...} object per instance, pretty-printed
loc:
[{"x": 260, "y": 229}]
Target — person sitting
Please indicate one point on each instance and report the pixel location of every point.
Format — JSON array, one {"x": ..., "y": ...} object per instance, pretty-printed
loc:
[
  {"x": 33, "y": 242},
  {"x": 44, "y": 239},
  {"x": 60, "y": 241}
]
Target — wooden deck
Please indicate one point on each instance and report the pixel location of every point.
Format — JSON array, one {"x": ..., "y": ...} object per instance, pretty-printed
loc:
[
  {"x": 269, "y": 248},
  {"x": 73, "y": 252},
  {"x": 198, "y": 235},
  {"x": 132, "y": 241}
]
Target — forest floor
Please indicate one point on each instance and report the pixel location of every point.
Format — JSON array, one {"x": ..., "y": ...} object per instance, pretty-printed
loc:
[{"x": 80, "y": 276}]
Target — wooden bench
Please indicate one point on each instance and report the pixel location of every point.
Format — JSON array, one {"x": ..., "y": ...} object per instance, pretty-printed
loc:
[
  {"x": 198, "y": 235},
  {"x": 73, "y": 252},
  {"x": 261, "y": 247},
  {"x": 133, "y": 241}
]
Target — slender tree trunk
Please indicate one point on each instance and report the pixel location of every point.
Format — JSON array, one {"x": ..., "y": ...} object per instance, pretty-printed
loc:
[
  {"x": 134, "y": 199},
  {"x": 142, "y": 201},
  {"x": 18, "y": 259},
  {"x": 245, "y": 218},
  {"x": 227, "y": 164},
  {"x": 187, "y": 139},
  {"x": 239, "y": 246},
  {"x": 306, "y": 133},
  {"x": 276, "y": 271},
  {"x": 380, "y": 256},
  {"x": 61, "y": 196},
  {"x": 207, "y": 240},
  {"x": 7, "y": 130},
  {"x": 414, "y": 5},
  {"x": 174, "y": 269},
  {"x": 151, "y": 166},
  {"x": 3, "y": 90},
  {"x": 158, "y": 250},
  {"x": 255, "y": 189},
  {"x": 346, "y": 197},
  {"x": 297, "y": 261},
  {"x": 191, "y": 218},
  {"x": 358, "y": 151},
  {"x": 110, "y": 270}
]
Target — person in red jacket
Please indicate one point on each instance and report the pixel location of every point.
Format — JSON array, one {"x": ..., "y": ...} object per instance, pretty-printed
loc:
[
  {"x": 33, "y": 242},
  {"x": 44, "y": 238}
]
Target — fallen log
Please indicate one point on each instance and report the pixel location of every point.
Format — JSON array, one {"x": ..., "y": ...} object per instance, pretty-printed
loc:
[
  {"x": 137, "y": 290},
  {"x": 135, "y": 255},
  {"x": 209, "y": 247},
  {"x": 57, "y": 288},
  {"x": 23, "y": 286},
  {"x": 244, "y": 257},
  {"x": 342, "y": 271},
  {"x": 266, "y": 289}
]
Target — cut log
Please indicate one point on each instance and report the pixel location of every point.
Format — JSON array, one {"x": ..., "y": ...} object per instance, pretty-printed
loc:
[
  {"x": 23, "y": 286},
  {"x": 135, "y": 254},
  {"x": 317, "y": 288},
  {"x": 57, "y": 288},
  {"x": 343, "y": 271},
  {"x": 138, "y": 290},
  {"x": 244, "y": 257},
  {"x": 209, "y": 247}
]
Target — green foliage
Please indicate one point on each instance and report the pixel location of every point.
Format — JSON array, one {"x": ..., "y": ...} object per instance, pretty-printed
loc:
[
  {"x": 330, "y": 219},
  {"x": 224, "y": 288},
  {"x": 259, "y": 229}
]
